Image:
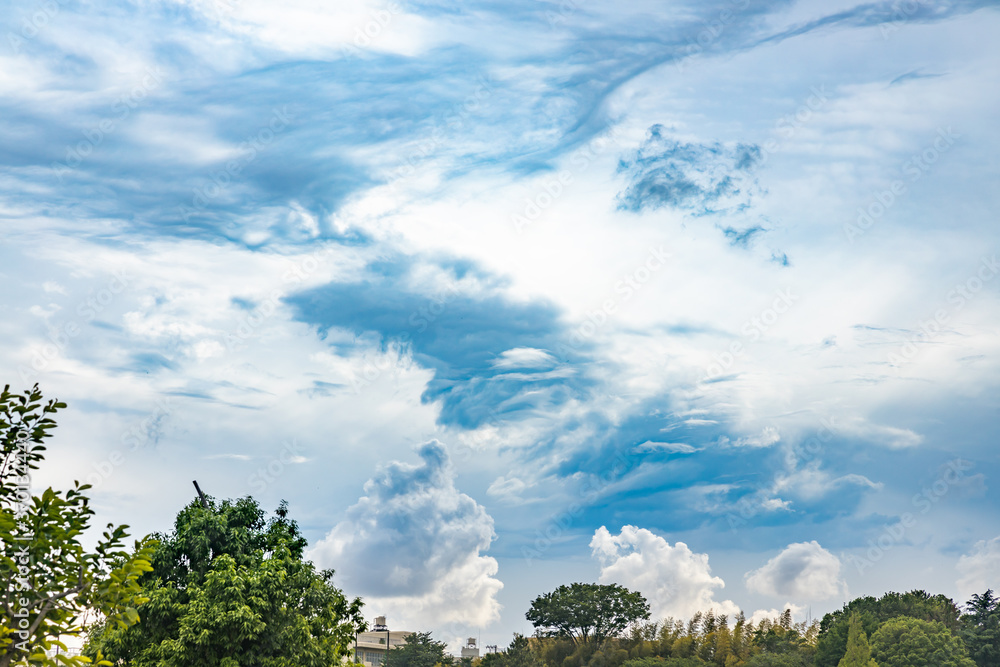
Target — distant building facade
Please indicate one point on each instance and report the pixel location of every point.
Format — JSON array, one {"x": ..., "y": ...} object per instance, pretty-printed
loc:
[
  {"x": 370, "y": 647},
  {"x": 470, "y": 650}
]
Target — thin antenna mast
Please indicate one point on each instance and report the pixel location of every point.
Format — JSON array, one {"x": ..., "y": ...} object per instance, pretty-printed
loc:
[{"x": 204, "y": 500}]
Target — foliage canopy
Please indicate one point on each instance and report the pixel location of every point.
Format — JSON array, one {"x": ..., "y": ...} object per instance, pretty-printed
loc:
[
  {"x": 230, "y": 589},
  {"x": 905, "y": 641},
  {"x": 418, "y": 651},
  {"x": 587, "y": 612},
  {"x": 50, "y": 581}
]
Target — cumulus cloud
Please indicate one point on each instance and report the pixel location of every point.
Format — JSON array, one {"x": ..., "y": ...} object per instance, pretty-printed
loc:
[
  {"x": 775, "y": 614},
  {"x": 980, "y": 569},
  {"x": 411, "y": 546},
  {"x": 675, "y": 580},
  {"x": 804, "y": 571}
]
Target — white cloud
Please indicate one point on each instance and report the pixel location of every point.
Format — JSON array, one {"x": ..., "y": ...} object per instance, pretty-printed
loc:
[
  {"x": 772, "y": 504},
  {"x": 812, "y": 483},
  {"x": 507, "y": 489},
  {"x": 980, "y": 569},
  {"x": 234, "y": 457},
  {"x": 772, "y": 614},
  {"x": 52, "y": 286},
  {"x": 767, "y": 437},
  {"x": 524, "y": 357},
  {"x": 886, "y": 436},
  {"x": 412, "y": 545},
  {"x": 315, "y": 27},
  {"x": 675, "y": 580},
  {"x": 804, "y": 570}
]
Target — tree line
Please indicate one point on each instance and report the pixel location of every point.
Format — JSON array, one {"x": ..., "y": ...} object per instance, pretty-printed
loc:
[{"x": 913, "y": 629}]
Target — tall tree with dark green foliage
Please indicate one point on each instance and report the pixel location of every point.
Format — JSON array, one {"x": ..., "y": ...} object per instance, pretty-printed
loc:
[
  {"x": 518, "y": 654},
  {"x": 859, "y": 652},
  {"x": 911, "y": 642},
  {"x": 872, "y": 612},
  {"x": 229, "y": 588},
  {"x": 981, "y": 629},
  {"x": 50, "y": 581},
  {"x": 418, "y": 651},
  {"x": 587, "y": 612},
  {"x": 790, "y": 659},
  {"x": 668, "y": 662},
  {"x": 780, "y": 637}
]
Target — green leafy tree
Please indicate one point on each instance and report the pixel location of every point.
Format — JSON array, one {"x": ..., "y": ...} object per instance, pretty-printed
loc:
[
  {"x": 554, "y": 650},
  {"x": 792, "y": 659},
  {"x": 981, "y": 629},
  {"x": 778, "y": 639},
  {"x": 587, "y": 613},
  {"x": 518, "y": 654},
  {"x": 419, "y": 650},
  {"x": 649, "y": 662},
  {"x": 229, "y": 588},
  {"x": 781, "y": 637},
  {"x": 832, "y": 643},
  {"x": 742, "y": 640},
  {"x": 859, "y": 652},
  {"x": 911, "y": 642},
  {"x": 668, "y": 662},
  {"x": 50, "y": 581}
]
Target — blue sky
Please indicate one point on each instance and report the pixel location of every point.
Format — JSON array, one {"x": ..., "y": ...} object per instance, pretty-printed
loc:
[{"x": 699, "y": 298}]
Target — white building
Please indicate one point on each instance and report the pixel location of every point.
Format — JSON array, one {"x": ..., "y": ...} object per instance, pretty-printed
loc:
[
  {"x": 470, "y": 650},
  {"x": 370, "y": 647}
]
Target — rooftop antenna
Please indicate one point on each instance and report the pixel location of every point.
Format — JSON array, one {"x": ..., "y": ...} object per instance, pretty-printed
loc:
[{"x": 204, "y": 501}]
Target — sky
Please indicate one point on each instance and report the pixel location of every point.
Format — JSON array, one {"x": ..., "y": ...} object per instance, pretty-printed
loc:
[{"x": 699, "y": 298}]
